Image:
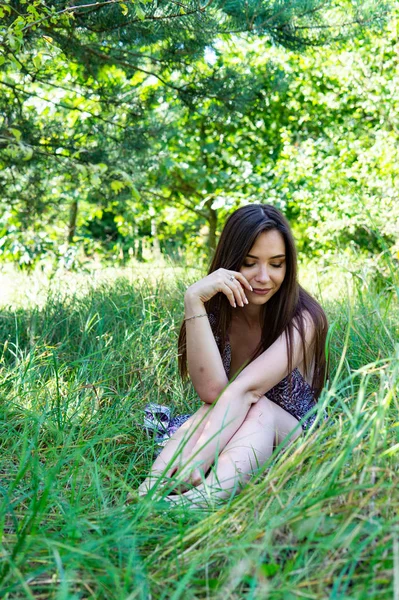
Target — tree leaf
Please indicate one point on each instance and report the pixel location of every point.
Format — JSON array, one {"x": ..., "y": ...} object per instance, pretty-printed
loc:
[
  {"x": 135, "y": 192},
  {"x": 117, "y": 185},
  {"x": 37, "y": 60},
  {"x": 16, "y": 133},
  {"x": 139, "y": 12},
  {"x": 28, "y": 153}
]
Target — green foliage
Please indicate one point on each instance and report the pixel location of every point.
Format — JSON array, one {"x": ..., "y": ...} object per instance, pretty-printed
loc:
[
  {"x": 168, "y": 117},
  {"x": 338, "y": 171}
]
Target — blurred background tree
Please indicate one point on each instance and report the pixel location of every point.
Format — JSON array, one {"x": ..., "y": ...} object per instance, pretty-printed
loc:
[{"x": 132, "y": 121}]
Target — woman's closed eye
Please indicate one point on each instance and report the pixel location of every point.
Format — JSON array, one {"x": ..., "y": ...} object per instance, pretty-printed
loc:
[{"x": 253, "y": 264}]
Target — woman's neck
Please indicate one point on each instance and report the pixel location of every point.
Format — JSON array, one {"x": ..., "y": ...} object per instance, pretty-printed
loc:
[{"x": 250, "y": 315}]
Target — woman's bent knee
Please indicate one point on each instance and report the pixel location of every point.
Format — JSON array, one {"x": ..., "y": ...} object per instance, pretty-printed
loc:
[
  {"x": 262, "y": 412},
  {"x": 269, "y": 414}
]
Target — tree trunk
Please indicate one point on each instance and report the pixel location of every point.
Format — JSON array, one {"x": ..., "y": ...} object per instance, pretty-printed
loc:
[
  {"x": 72, "y": 221},
  {"x": 155, "y": 241},
  {"x": 213, "y": 223},
  {"x": 212, "y": 214},
  {"x": 138, "y": 249}
]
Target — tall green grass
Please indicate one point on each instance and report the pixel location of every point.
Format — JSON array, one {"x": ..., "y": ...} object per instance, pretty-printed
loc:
[{"x": 321, "y": 521}]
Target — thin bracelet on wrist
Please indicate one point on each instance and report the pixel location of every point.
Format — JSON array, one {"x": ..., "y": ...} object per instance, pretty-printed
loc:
[{"x": 196, "y": 316}]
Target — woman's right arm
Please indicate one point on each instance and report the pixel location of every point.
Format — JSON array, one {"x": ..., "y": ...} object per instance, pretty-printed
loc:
[{"x": 204, "y": 362}]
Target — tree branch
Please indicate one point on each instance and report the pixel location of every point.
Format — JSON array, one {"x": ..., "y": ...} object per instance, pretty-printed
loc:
[
  {"x": 187, "y": 205},
  {"x": 70, "y": 9},
  {"x": 61, "y": 104},
  {"x": 97, "y": 5}
]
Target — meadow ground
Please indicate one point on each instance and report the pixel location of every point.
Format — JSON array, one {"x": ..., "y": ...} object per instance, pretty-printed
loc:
[{"x": 81, "y": 354}]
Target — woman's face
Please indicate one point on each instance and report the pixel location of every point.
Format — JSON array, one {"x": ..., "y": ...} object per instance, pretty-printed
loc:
[{"x": 264, "y": 266}]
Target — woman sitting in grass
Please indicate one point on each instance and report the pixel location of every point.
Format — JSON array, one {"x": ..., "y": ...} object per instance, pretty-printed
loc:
[{"x": 251, "y": 324}]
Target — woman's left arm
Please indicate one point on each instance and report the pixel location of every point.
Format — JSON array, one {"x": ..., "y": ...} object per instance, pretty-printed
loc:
[{"x": 233, "y": 405}]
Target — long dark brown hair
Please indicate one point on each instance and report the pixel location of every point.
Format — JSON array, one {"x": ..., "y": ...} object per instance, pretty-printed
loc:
[{"x": 284, "y": 311}]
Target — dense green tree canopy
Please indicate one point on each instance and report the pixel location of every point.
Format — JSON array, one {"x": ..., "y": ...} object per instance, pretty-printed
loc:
[{"x": 127, "y": 119}]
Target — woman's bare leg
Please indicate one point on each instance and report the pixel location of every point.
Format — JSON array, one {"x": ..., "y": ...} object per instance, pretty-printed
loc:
[
  {"x": 178, "y": 447},
  {"x": 248, "y": 449}
]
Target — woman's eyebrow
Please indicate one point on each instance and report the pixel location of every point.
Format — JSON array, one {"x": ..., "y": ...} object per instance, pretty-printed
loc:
[{"x": 277, "y": 256}]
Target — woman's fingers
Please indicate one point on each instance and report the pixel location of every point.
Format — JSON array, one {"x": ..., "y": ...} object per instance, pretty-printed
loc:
[
  {"x": 189, "y": 475},
  {"x": 235, "y": 294},
  {"x": 241, "y": 293},
  {"x": 234, "y": 290},
  {"x": 195, "y": 478},
  {"x": 227, "y": 290},
  {"x": 240, "y": 277},
  {"x": 231, "y": 283}
]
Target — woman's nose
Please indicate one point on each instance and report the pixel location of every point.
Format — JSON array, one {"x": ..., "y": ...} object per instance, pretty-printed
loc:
[{"x": 263, "y": 275}]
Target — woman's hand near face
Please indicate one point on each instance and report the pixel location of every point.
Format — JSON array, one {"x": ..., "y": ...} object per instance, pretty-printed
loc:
[{"x": 230, "y": 283}]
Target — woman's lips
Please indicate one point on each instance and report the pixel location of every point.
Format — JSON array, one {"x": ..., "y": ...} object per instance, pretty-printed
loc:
[{"x": 260, "y": 292}]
